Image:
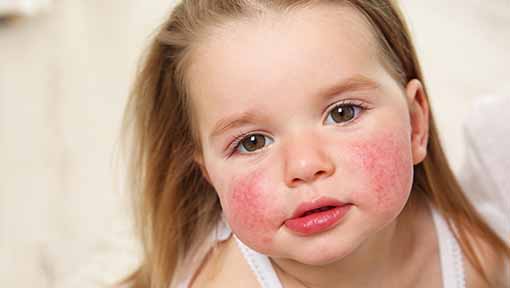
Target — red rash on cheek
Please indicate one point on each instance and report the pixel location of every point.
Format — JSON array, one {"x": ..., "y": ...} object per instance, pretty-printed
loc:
[
  {"x": 387, "y": 164},
  {"x": 252, "y": 209}
]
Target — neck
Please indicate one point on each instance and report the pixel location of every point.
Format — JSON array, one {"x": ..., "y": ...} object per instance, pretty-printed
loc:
[{"x": 380, "y": 256}]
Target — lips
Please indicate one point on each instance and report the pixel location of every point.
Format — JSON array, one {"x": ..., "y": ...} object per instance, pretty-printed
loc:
[{"x": 317, "y": 216}]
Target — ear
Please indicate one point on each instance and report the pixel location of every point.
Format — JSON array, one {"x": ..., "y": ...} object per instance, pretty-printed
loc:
[
  {"x": 199, "y": 159},
  {"x": 419, "y": 116}
]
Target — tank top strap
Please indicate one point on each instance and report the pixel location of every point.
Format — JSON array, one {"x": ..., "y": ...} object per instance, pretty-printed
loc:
[
  {"x": 452, "y": 267},
  {"x": 260, "y": 265}
]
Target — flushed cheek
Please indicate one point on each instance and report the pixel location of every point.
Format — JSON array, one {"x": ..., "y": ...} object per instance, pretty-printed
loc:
[
  {"x": 252, "y": 210},
  {"x": 387, "y": 169}
]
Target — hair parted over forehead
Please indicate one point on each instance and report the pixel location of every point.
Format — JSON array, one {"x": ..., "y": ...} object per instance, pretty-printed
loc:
[{"x": 175, "y": 206}]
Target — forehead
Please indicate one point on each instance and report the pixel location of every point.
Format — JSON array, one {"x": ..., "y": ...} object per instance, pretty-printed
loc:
[{"x": 254, "y": 63}]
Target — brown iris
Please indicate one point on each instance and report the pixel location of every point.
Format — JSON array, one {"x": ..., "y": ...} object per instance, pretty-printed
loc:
[
  {"x": 253, "y": 142},
  {"x": 343, "y": 113}
]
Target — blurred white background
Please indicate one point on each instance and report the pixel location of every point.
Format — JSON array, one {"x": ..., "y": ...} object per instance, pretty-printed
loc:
[{"x": 64, "y": 78}]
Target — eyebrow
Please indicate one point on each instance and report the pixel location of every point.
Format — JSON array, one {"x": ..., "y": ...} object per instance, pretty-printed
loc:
[{"x": 355, "y": 83}]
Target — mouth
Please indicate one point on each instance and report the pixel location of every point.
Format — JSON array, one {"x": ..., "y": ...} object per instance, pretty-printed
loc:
[
  {"x": 320, "y": 209},
  {"x": 320, "y": 205},
  {"x": 317, "y": 216}
]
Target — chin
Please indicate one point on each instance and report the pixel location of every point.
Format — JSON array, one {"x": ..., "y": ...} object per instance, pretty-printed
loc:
[
  {"x": 325, "y": 251},
  {"x": 324, "y": 257}
]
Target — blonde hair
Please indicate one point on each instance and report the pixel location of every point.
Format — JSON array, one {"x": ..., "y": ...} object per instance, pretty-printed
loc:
[{"x": 176, "y": 208}]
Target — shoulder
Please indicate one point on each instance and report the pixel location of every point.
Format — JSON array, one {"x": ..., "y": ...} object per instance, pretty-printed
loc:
[
  {"x": 492, "y": 262},
  {"x": 224, "y": 267}
]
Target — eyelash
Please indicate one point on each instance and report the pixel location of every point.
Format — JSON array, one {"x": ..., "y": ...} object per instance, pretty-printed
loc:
[{"x": 356, "y": 104}]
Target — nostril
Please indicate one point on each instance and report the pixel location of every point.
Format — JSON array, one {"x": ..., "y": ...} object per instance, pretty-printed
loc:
[
  {"x": 319, "y": 174},
  {"x": 313, "y": 177}
]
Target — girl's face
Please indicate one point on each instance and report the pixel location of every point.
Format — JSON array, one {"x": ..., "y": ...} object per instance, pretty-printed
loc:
[{"x": 296, "y": 112}]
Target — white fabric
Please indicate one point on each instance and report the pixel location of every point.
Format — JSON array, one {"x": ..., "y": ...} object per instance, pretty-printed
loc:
[
  {"x": 452, "y": 268},
  {"x": 485, "y": 173},
  {"x": 260, "y": 265}
]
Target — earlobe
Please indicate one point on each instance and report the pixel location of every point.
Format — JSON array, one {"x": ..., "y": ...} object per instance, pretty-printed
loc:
[{"x": 419, "y": 116}]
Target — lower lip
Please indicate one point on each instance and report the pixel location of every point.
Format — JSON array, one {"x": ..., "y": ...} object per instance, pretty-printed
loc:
[{"x": 317, "y": 222}]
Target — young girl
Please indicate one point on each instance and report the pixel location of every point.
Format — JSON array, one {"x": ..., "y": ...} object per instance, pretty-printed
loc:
[{"x": 290, "y": 144}]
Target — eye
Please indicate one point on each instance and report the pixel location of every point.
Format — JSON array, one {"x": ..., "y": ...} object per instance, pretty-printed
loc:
[
  {"x": 343, "y": 113},
  {"x": 252, "y": 143}
]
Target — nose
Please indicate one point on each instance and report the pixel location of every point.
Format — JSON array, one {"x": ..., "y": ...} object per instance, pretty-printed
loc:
[{"x": 306, "y": 161}]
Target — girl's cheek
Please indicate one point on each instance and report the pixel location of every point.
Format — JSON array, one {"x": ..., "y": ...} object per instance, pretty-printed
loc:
[
  {"x": 386, "y": 163},
  {"x": 252, "y": 209}
]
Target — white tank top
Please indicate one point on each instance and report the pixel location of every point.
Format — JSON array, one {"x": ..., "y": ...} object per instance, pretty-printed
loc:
[
  {"x": 449, "y": 250},
  {"x": 450, "y": 253}
]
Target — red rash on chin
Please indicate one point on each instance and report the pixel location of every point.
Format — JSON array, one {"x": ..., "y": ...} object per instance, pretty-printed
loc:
[
  {"x": 387, "y": 163},
  {"x": 253, "y": 215}
]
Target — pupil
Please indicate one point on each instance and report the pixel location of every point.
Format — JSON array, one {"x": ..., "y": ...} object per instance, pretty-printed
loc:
[
  {"x": 343, "y": 113},
  {"x": 254, "y": 142}
]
